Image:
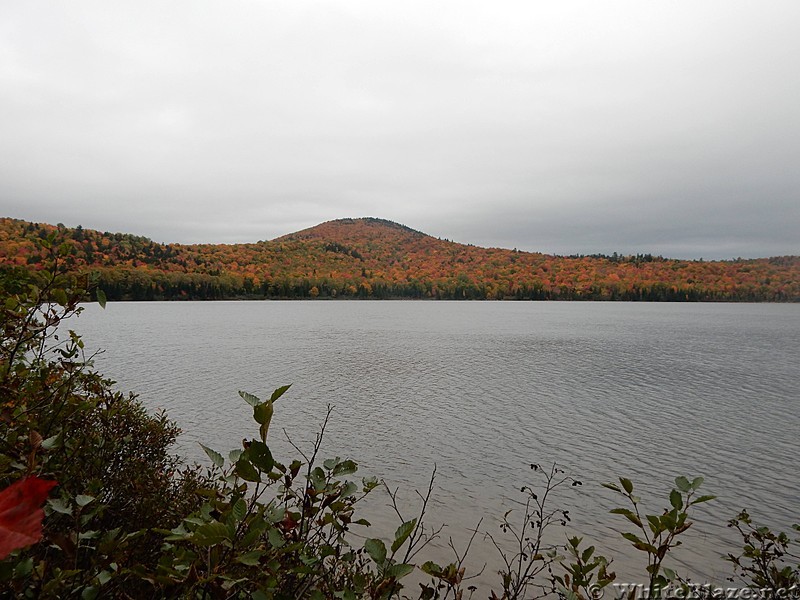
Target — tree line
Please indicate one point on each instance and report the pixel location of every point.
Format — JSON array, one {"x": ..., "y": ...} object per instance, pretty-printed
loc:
[{"x": 372, "y": 258}]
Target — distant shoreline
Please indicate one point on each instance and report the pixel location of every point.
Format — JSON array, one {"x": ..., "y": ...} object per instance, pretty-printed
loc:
[
  {"x": 377, "y": 259},
  {"x": 475, "y": 300}
]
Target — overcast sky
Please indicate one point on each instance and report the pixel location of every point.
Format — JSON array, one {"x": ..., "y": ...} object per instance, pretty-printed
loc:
[{"x": 563, "y": 127}]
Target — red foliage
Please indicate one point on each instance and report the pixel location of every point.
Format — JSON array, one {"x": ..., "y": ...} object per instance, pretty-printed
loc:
[
  {"x": 21, "y": 513},
  {"x": 380, "y": 259}
]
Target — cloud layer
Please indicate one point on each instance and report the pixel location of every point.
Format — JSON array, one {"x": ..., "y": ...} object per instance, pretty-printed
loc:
[{"x": 573, "y": 127}]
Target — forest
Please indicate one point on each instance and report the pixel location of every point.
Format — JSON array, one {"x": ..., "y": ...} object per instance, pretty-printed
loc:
[{"x": 378, "y": 259}]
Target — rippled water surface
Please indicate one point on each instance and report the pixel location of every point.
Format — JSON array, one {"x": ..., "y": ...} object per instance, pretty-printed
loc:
[{"x": 481, "y": 390}]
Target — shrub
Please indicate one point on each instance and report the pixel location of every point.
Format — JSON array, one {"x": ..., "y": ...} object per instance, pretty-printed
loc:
[{"x": 64, "y": 421}]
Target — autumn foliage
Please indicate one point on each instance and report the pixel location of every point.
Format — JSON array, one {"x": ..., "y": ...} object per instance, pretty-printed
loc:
[
  {"x": 21, "y": 513},
  {"x": 374, "y": 258}
]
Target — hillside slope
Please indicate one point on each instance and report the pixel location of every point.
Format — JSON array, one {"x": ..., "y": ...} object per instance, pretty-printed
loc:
[{"x": 375, "y": 258}]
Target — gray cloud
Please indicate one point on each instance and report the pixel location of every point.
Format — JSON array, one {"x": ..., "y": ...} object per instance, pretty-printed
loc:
[{"x": 565, "y": 127}]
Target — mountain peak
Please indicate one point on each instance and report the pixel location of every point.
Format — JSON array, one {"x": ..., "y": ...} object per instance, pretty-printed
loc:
[
  {"x": 375, "y": 221},
  {"x": 362, "y": 227}
]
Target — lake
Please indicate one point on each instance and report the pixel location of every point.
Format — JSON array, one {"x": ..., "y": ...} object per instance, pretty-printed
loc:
[{"x": 483, "y": 389}]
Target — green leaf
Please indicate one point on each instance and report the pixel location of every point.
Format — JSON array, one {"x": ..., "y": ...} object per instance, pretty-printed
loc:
[
  {"x": 346, "y": 467},
  {"x": 703, "y": 499},
  {"x": 247, "y": 471},
  {"x": 52, "y": 442},
  {"x": 173, "y": 535},
  {"x": 262, "y": 413},
  {"x": 369, "y": 483},
  {"x": 210, "y": 534},
  {"x": 101, "y": 297},
  {"x": 260, "y": 456},
  {"x": 632, "y": 538},
  {"x": 275, "y": 514},
  {"x": 649, "y": 548},
  {"x": 57, "y": 504},
  {"x": 431, "y": 568},
  {"x": 279, "y": 392},
  {"x": 376, "y": 550},
  {"x": 263, "y": 430},
  {"x": 275, "y": 538},
  {"x": 611, "y": 486},
  {"x": 626, "y": 484},
  {"x": 90, "y": 592},
  {"x": 317, "y": 478},
  {"x": 655, "y": 524},
  {"x": 255, "y": 527},
  {"x": 60, "y": 296},
  {"x": 24, "y": 568},
  {"x": 402, "y": 533},
  {"x": 215, "y": 456},
  {"x": 628, "y": 514},
  {"x": 250, "y": 398},
  {"x": 683, "y": 484},
  {"x": 82, "y": 500},
  {"x": 239, "y": 509},
  {"x": 621, "y": 511},
  {"x": 251, "y": 559},
  {"x": 348, "y": 489},
  {"x": 399, "y": 571},
  {"x": 675, "y": 499},
  {"x": 104, "y": 577},
  {"x": 697, "y": 482}
]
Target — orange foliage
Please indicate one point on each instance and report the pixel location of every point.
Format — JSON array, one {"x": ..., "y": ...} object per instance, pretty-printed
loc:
[{"x": 380, "y": 259}]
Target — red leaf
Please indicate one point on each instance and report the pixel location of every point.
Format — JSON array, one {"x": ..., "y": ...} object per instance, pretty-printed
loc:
[{"x": 21, "y": 513}]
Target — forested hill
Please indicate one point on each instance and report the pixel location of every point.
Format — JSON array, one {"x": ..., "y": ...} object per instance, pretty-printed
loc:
[{"x": 375, "y": 258}]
